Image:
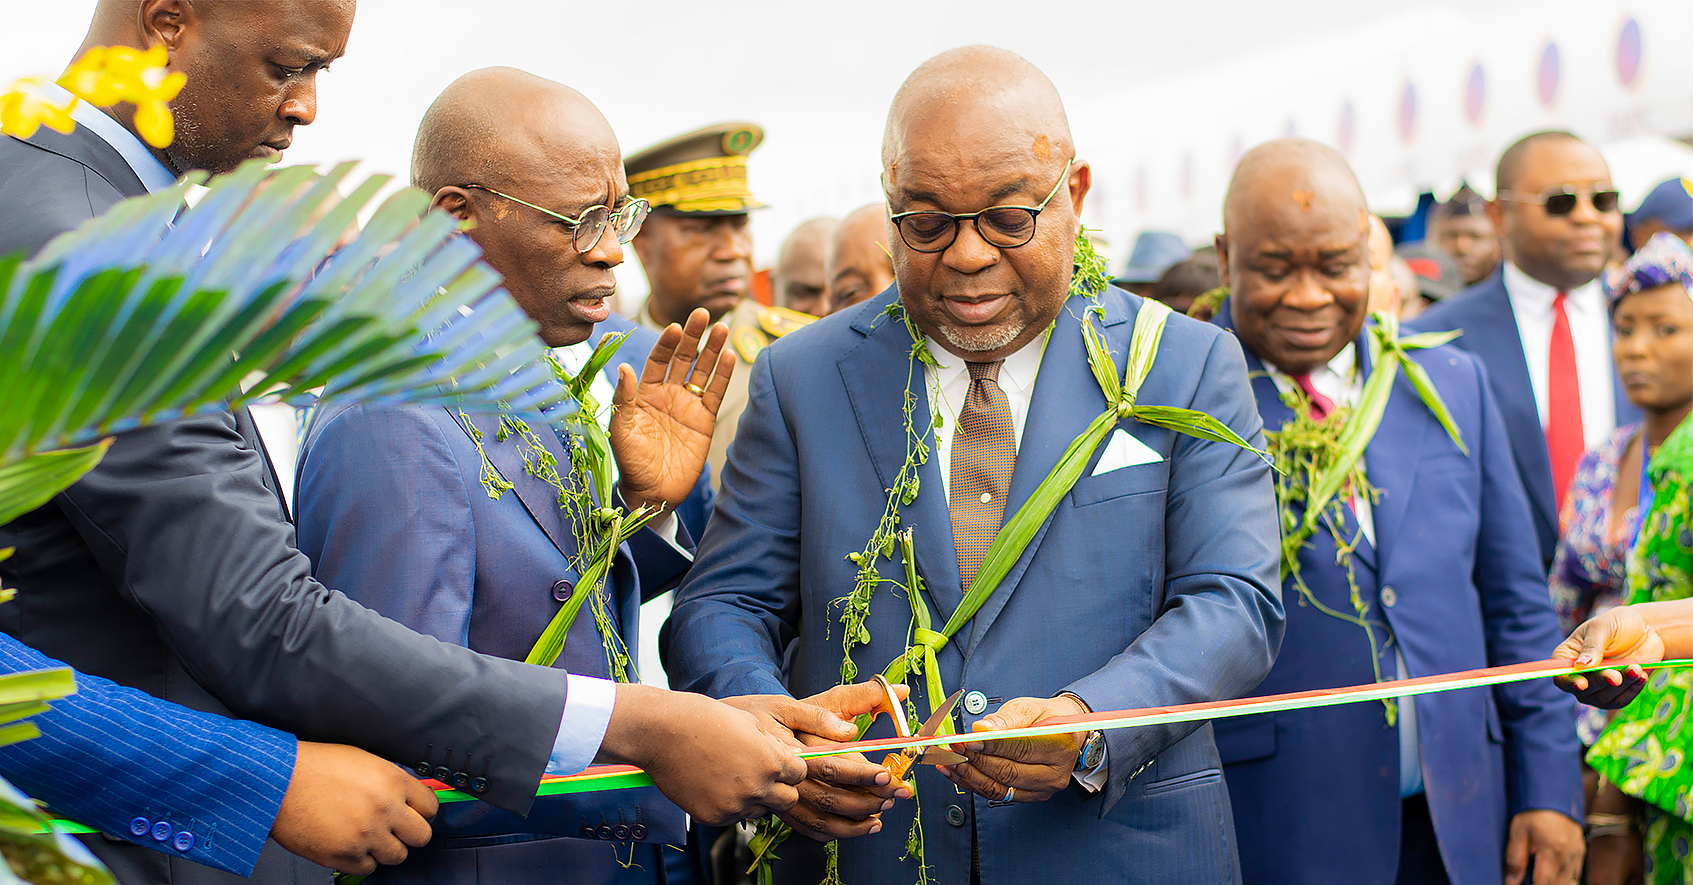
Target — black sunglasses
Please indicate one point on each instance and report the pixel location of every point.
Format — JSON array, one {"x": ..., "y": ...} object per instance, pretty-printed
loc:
[
  {"x": 1564, "y": 200},
  {"x": 1006, "y": 227}
]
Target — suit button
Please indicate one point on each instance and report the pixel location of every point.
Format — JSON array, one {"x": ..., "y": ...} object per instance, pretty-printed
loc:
[
  {"x": 638, "y": 832},
  {"x": 460, "y": 780},
  {"x": 479, "y": 785},
  {"x": 139, "y": 826},
  {"x": 184, "y": 841},
  {"x": 620, "y": 833},
  {"x": 1389, "y": 597},
  {"x": 587, "y": 831},
  {"x": 955, "y": 815},
  {"x": 561, "y": 590},
  {"x": 422, "y": 769},
  {"x": 975, "y": 702},
  {"x": 604, "y": 832},
  {"x": 443, "y": 774},
  {"x": 162, "y": 831}
]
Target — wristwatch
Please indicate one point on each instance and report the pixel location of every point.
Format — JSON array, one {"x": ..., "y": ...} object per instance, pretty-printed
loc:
[{"x": 1093, "y": 749}]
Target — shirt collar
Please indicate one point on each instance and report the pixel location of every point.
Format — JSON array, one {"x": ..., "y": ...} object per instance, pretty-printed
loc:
[
  {"x": 1527, "y": 292},
  {"x": 154, "y": 175},
  {"x": 1017, "y": 373},
  {"x": 1339, "y": 370}
]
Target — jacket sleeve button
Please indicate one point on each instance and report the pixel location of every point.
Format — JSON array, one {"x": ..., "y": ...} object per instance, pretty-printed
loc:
[
  {"x": 460, "y": 780},
  {"x": 604, "y": 832},
  {"x": 139, "y": 826},
  {"x": 621, "y": 832},
  {"x": 479, "y": 785},
  {"x": 587, "y": 831},
  {"x": 422, "y": 769},
  {"x": 162, "y": 831},
  {"x": 638, "y": 832},
  {"x": 184, "y": 840},
  {"x": 443, "y": 774}
]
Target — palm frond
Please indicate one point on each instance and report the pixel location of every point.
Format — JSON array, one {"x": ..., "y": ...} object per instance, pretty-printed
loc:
[{"x": 152, "y": 311}]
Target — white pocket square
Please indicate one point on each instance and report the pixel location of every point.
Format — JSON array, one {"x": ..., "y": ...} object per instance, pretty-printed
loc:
[{"x": 1123, "y": 450}]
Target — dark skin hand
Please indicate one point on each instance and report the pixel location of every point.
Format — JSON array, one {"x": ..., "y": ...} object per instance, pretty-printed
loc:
[
  {"x": 1553, "y": 839},
  {"x": 1037, "y": 768},
  {"x": 350, "y": 811},
  {"x": 661, "y": 430},
  {"x": 842, "y": 796}
]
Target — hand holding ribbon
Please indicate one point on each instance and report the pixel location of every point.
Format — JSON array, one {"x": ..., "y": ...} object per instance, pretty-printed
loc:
[{"x": 1022, "y": 769}]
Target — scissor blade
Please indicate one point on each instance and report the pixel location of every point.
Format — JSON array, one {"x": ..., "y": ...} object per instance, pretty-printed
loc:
[{"x": 933, "y": 723}]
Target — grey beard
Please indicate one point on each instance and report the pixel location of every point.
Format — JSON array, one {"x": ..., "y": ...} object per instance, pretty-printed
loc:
[{"x": 984, "y": 341}]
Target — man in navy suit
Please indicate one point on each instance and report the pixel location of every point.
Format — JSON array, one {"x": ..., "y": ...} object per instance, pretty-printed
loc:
[
  {"x": 1458, "y": 786},
  {"x": 1153, "y": 582},
  {"x": 395, "y": 510},
  {"x": 1540, "y": 324}
]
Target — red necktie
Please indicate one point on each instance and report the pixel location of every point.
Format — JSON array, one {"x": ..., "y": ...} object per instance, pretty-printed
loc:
[
  {"x": 984, "y": 450},
  {"x": 1564, "y": 437},
  {"x": 1321, "y": 405}
]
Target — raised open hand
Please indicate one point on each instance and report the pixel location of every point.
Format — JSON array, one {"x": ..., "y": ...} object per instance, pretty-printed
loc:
[{"x": 661, "y": 426}]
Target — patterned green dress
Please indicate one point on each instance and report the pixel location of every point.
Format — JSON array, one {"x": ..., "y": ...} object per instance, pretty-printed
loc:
[{"x": 1644, "y": 750}]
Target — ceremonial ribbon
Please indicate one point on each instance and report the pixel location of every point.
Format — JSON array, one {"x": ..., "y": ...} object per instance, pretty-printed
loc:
[{"x": 603, "y": 778}]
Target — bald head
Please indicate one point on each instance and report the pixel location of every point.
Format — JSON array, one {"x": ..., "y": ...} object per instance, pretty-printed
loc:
[
  {"x": 510, "y": 152},
  {"x": 502, "y": 128},
  {"x": 973, "y": 129},
  {"x": 958, "y": 90},
  {"x": 797, "y": 279},
  {"x": 1295, "y": 253},
  {"x": 860, "y": 265}
]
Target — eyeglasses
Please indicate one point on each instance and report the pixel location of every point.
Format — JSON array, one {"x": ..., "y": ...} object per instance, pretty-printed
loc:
[
  {"x": 1006, "y": 227},
  {"x": 587, "y": 230},
  {"x": 1564, "y": 200}
]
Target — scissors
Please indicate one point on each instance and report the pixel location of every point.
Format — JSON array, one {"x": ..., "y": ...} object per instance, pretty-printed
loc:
[{"x": 899, "y": 763}]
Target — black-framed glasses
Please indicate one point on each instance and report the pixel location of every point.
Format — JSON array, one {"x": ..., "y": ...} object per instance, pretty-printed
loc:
[
  {"x": 1005, "y": 227},
  {"x": 586, "y": 231},
  {"x": 1563, "y": 200}
]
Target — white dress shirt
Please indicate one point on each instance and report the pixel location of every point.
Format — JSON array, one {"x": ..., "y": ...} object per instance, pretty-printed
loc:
[
  {"x": 1342, "y": 383},
  {"x": 1590, "y": 327},
  {"x": 948, "y": 386}
]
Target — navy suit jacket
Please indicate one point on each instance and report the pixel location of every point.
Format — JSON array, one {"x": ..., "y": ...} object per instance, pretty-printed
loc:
[
  {"x": 187, "y": 784},
  {"x": 1483, "y": 313},
  {"x": 392, "y": 510},
  {"x": 1150, "y": 585},
  {"x": 1454, "y": 575}
]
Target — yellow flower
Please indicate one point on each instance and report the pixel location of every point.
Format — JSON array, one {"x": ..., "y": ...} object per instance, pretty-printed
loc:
[
  {"x": 107, "y": 75},
  {"x": 24, "y": 109}
]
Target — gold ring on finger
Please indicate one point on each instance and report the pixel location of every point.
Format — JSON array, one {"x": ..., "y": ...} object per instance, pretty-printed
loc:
[{"x": 694, "y": 389}]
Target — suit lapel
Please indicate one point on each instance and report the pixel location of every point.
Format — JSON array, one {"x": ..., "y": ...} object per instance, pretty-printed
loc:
[
  {"x": 537, "y": 495},
  {"x": 83, "y": 145},
  {"x": 1491, "y": 330},
  {"x": 875, "y": 375},
  {"x": 1064, "y": 402}
]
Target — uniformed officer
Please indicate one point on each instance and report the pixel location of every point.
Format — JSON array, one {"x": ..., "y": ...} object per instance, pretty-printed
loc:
[{"x": 696, "y": 249}]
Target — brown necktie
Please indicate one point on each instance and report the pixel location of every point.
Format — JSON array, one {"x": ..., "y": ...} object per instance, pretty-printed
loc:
[{"x": 984, "y": 450}]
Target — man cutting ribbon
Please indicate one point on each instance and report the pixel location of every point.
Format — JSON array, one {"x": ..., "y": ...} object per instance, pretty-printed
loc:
[{"x": 927, "y": 419}]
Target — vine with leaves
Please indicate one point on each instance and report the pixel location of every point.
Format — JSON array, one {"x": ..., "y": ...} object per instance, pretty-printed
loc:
[{"x": 1317, "y": 461}]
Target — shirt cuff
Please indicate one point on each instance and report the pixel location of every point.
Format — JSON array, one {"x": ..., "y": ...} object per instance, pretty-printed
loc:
[
  {"x": 1093, "y": 779},
  {"x": 669, "y": 528},
  {"x": 581, "y": 730}
]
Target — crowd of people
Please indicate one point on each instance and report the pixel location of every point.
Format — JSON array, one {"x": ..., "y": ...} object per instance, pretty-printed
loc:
[{"x": 1425, "y": 457}]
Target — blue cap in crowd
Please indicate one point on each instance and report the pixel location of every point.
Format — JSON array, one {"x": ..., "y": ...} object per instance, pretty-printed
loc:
[
  {"x": 1154, "y": 252},
  {"x": 1670, "y": 203}
]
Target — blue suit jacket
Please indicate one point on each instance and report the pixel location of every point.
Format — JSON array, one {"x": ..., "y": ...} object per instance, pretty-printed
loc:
[
  {"x": 1149, "y": 585},
  {"x": 1483, "y": 313},
  {"x": 393, "y": 511},
  {"x": 1455, "y": 547},
  {"x": 137, "y": 767}
]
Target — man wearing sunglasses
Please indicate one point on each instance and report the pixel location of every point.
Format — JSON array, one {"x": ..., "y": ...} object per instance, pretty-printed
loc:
[
  {"x": 1153, "y": 582},
  {"x": 1540, "y": 324},
  {"x": 397, "y": 505}
]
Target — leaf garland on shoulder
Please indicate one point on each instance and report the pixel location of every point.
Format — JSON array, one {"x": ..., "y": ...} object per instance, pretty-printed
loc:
[
  {"x": 1316, "y": 460},
  {"x": 889, "y": 539},
  {"x": 588, "y": 498}
]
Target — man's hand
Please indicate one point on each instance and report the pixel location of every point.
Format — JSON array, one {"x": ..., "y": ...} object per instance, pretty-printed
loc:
[
  {"x": 349, "y": 810},
  {"x": 842, "y": 796},
  {"x": 708, "y": 757},
  {"x": 1621, "y": 632},
  {"x": 1552, "y": 839},
  {"x": 1036, "y": 768},
  {"x": 660, "y": 428}
]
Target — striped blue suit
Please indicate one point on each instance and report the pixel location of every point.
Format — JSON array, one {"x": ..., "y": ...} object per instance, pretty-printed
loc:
[{"x": 189, "y": 784}]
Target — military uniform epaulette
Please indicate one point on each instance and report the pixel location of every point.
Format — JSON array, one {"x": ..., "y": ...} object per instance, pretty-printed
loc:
[{"x": 753, "y": 329}]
